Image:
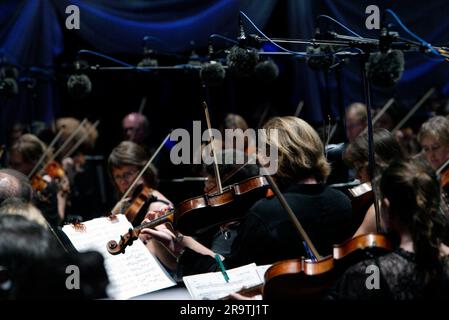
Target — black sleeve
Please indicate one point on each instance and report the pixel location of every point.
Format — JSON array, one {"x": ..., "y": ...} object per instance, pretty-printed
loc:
[
  {"x": 254, "y": 243},
  {"x": 250, "y": 245},
  {"x": 191, "y": 262}
]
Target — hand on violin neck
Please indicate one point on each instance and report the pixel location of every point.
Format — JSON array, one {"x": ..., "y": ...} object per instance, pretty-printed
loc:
[
  {"x": 156, "y": 210},
  {"x": 172, "y": 241}
]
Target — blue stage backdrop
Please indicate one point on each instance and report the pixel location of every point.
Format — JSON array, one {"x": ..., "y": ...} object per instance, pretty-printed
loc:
[{"x": 33, "y": 37}]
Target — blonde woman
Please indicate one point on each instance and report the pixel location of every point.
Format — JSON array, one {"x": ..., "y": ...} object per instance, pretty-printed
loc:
[{"x": 267, "y": 235}]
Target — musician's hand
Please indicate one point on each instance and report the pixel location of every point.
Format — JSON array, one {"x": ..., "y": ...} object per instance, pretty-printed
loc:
[
  {"x": 155, "y": 210},
  {"x": 162, "y": 234}
]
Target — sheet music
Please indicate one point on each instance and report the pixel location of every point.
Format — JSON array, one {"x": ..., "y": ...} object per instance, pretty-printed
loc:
[
  {"x": 131, "y": 274},
  {"x": 212, "y": 286},
  {"x": 262, "y": 269}
]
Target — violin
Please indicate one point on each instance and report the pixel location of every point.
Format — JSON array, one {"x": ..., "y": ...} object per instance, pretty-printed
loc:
[
  {"x": 443, "y": 173},
  {"x": 53, "y": 169},
  {"x": 128, "y": 238},
  {"x": 196, "y": 215},
  {"x": 137, "y": 211},
  {"x": 56, "y": 172},
  {"x": 304, "y": 278},
  {"x": 362, "y": 197},
  {"x": 38, "y": 183}
]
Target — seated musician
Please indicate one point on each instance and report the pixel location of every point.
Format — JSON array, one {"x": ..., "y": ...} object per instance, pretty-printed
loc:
[
  {"x": 267, "y": 235},
  {"x": 433, "y": 137},
  {"x": 218, "y": 238},
  {"x": 124, "y": 164},
  {"x": 236, "y": 123},
  {"x": 355, "y": 124},
  {"x": 84, "y": 201},
  {"x": 419, "y": 267},
  {"x": 136, "y": 128},
  {"x": 386, "y": 149},
  {"x": 23, "y": 157}
]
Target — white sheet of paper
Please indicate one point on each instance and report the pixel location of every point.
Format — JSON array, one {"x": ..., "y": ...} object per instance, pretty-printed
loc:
[
  {"x": 212, "y": 286},
  {"x": 131, "y": 274},
  {"x": 262, "y": 269}
]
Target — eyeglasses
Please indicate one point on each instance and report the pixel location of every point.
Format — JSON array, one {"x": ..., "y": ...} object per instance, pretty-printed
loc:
[
  {"x": 125, "y": 176},
  {"x": 432, "y": 148}
]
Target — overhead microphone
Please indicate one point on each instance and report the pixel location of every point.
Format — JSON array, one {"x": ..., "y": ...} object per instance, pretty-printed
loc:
[
  {"x": 266, "y": 71},
  {"x": 79, "y": 84},
  {"x": 385, "y": 68},
  {"x": 148, "y": 60},
  {"x": 8, "y": 83},
  {"x": 242, "y": 59},
  {"x": 212, "y": 73}
]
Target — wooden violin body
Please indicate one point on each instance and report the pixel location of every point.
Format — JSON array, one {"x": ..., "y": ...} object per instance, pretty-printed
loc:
[
  {"x": 301, "y": 278},
  {"x": 362, "y": 197},
  {"x": 141, "y": 201},
  {"x": 196, "y": 215}
]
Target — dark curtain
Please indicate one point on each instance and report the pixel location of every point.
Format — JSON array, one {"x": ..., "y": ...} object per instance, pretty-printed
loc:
[{"x": 33, "y": 36}]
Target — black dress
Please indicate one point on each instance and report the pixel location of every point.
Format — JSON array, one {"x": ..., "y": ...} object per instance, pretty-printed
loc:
[
  {"x": 399, "y": 279},
  {"x": 267, "y": 235}
]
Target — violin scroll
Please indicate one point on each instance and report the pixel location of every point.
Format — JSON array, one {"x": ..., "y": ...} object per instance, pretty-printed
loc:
[{"x": 126, "y": 240}]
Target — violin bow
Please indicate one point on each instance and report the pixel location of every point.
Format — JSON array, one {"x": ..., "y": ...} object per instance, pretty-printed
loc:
[
  {"x": 45, "y": 154},
  {"x": 299, "y": 108},
  {"x": 234, "y": 172},
  {"x": 2, "y": 151},
  {"x": 292, "y": 216},
  {"x": 380, "y": 113},
  {"x": 413, "y": 110},
  {"x": 136, "y": 180},
  {"x": 143, "y": 103},
  {"x": 68, "y": 140},
  {"x": 209, "y": 129},
  {"x": 80, "y": 141}
]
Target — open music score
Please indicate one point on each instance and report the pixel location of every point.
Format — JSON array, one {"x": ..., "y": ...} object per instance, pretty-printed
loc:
[
  {"x": 131, "y": 274},
  {"x": 212, "y": 285}
]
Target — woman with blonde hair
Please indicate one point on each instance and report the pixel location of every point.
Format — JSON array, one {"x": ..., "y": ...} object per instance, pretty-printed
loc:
[{"x": 267, "y": 234}]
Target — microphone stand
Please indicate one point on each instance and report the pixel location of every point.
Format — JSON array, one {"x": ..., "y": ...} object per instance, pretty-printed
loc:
[{"x": 371, "y": 151}]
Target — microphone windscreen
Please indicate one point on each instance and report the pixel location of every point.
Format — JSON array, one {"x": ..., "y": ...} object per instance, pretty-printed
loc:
[
  {"x": 320, "y": 57},
  {"x": 241, "y": 62},
  {"x": 79, "y": 85},
  {"x": 212, "y": 74},
  {"x": 148, "y": 62},
  {"x": 385, "y": 69},
  {"x": 9, "y": 87},
  {"x": 267, "y": 71},
  {"x": 9, "y": 72}
]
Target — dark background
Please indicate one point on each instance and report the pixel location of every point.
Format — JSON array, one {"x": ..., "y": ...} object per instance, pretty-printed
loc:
[{"x": 33, "y": 37}]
